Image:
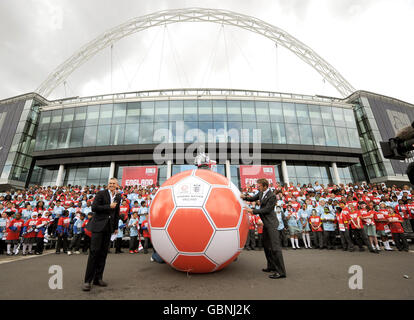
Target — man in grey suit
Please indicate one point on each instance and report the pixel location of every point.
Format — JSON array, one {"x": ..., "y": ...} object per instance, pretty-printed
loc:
[{"x": 271, "y": 239}]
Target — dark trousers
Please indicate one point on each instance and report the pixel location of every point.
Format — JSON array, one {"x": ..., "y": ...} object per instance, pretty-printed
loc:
[
  {"x": 346, "y": 241},
  {"x": 400, "y": 241},
  {"x": 260, "y": 240},
  {"x": 251, "y": 239},
  {"x": 2, "y": 246},
  {"x": 133, "y": 243},
  {"x": 40, "y": 244},
  {"x": 86, "y": 243},
  {"x": 97, "y": 255},
  {"x": 75, "y": 243},
  {"x": 318, "y": 239},
  {"x": 146, "y": 243},
  {"x": 360, "y": 238},
  {"x": 62, "y": 242},
  {"x": 329, "y": 237},
  {"x": 118, "y": 244},
  {"x": 273, "y": 251},
  {"x": 283, "y": 238}
]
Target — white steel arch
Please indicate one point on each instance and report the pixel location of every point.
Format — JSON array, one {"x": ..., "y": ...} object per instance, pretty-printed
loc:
[{"x": 226, "y": 17}]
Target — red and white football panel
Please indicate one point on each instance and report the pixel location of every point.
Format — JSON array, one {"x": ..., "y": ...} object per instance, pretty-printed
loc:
[{"x": 224, "y": 245}]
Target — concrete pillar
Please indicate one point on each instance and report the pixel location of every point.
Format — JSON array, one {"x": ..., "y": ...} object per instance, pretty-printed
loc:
[
  {"x": 228, "y": 170},
  {"x": 285, "y": 173},
  {"x": 169, "y": 168},
  {"x": 60, "y": 177},
  {"x": 336, "y": 178},
  {"x": 112, "y": 170}
]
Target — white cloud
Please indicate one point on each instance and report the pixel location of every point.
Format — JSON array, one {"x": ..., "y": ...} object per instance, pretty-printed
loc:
[{"x": 367, "y": 41}]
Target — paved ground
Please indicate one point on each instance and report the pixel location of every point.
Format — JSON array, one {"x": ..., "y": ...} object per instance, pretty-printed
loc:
[{"x": 312, "y": 274}]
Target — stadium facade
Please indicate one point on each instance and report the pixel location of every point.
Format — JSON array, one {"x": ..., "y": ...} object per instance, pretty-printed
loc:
[{"x": 86, "y": 140}]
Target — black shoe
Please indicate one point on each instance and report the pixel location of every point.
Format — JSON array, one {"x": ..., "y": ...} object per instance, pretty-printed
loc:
[
  {"x": 86, "y": 286},
  {"x": 268, "y": 270},
  {"x": 351, "y": 250},
  {"x": 100, "y": 283},
  {"x": 277, "y": 276},
  {"x": 406, "y": 250}
]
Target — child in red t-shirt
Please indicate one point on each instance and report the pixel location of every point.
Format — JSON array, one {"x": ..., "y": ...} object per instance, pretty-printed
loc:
[
  {"x": 381, "y": 223},
  {"x": 397, "y": 230},
  {"x": 14, "y": 228},
  {"x": 316, "y": 227},
  {"x": 146, "y": 233}
]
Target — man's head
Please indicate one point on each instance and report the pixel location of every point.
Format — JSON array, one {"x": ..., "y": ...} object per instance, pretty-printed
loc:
[
  {"x": 113, "y": 184},
  {"x": 262, "y": 185}
]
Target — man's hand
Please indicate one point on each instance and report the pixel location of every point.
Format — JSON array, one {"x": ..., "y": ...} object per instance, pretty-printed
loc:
[
  {"x": 242, "y": 196},
  {"x": 113, "y": 205},
  {"x": 249, "y": 210}
]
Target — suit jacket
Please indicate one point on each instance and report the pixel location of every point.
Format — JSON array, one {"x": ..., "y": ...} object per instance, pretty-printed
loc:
[
  {"x": 103, "y": 214},
  {"x": 266, "y": 211}
]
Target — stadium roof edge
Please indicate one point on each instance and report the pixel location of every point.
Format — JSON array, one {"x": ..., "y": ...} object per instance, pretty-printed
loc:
[{"x": 358, "y": 93}]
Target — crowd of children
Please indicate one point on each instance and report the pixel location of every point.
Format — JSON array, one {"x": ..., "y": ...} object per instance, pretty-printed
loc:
[
  {"x": 40, "y": 215},
  {"x": 356, "y": 214}
]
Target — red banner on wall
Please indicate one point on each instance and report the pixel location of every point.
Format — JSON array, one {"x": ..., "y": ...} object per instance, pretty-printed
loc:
[
  {"x": 250, "y": 174},
  {"x": 144, "y": 176}
]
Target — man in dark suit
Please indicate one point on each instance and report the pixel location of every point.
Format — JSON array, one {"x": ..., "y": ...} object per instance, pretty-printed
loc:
[
  {"x": 103, "y": 224},
  {"x": 271, "y": 239}
]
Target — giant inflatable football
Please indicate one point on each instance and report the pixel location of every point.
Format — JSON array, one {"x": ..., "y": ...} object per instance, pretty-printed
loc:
[{"x": 197, "y": 221}]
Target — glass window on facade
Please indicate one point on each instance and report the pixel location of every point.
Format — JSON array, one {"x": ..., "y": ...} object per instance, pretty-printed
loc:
[
  {"x": 147, "y": 111},
  {"x": 133, "y": 112},
  {"x": 266, "y": 132},
  {"x": 354, "y": 138},
  {"x": 220, "y": 135},
  {"x": 41, "y": 140},
  {"x": 327, "y": 117},
  {"x": 315, "y": 114},
  {"x": 205, "y": 112},
  {"x": 343, "y": 139},
  {"x": 68, "y": 116},
  {"x": 64, "y": 138},
  {"x": 117, "y": 134},
  {"x": 349, "y": 118},
  {"x": 56, "y": 119},
  {"x": 146, "y": 132},
  {"x": 289, "y": 112},
  {"x": 305, "y": 133},
  {"x": 276, "y": 112},
  {"x": 219, "y": 110},
  {"x": 103, "y": 135},
  {"x": 105, "y": 114},
  {"x": 190, "y": 131},
  {"x": 249, "y": 134},
  {"x": 302, "y": 114},
  {"x": 278, "y": 133},
  {"x": 80, "y": 117},
  {"x": 292, "y": 133},
  {"x": 92, "y": 117},
  {"x": 339, "y": 118},
  {"x": 52, "y": 140},
  {"x": 204, "y": 134},
  {"x": 318, "y": 136},
  {"x": 233, "y": 110},
  {"x": 89, "y": 137},
  {"x": 176, "y": 110},
  {"x": 45, "y": 120},
  {"x": 262, "y": 111},
  {"x": 76, "y": 139},
  {"x": 331, "y": 137},
  {"x": 120, "y": 111},
  {"x": 161, "y": 132},
  {"x": 234, "y": 131},
  {"x": 131, "y": 133},
  {"x": 161, "y": 111},
  {"x": 248, "y": 111},
  {"x": 190, "y": 110}
]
